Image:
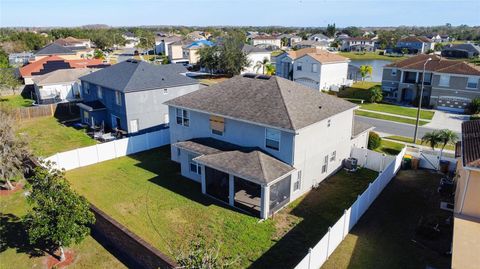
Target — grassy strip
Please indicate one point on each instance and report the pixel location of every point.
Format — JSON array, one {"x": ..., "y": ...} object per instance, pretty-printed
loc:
[
  {"x": 370, "y": 56},
  {"x": 418, "y": 142},
  {"x": 15, "y": 101},
  {"x": 390, "y": 147},
  {"x": 388, "y": 117},
  {"x": 399, "y": 110}
]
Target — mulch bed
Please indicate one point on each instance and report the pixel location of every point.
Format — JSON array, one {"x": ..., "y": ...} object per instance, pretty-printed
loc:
[
  {"x": 51, "y": 261},
  {"x": 17, "y": 187}
]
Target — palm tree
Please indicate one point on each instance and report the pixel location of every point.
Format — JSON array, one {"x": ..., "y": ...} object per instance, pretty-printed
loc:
[
  {"x": 447, "y": 136},
  {"x": 365, "y": 71},
  {"x": 432, "y": 138},
  {"x": 270, "y": 69},
  {"x": 262, "y": 64}
]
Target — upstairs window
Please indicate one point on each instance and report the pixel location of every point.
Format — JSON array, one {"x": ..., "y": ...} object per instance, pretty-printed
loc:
[
  {"x": 394, "y": 72},
  {"x": 333, "y": 157},
  {"x": 314, "y": 68},
  {"x": 299, "y": 66},
  {"x": 472, "y": 82},
  {"x": 183, "y": 117},
  {"x": 118, "y": 98},
  {"x": 272, "y": 138},
  {"x": 444, "y": 81}
]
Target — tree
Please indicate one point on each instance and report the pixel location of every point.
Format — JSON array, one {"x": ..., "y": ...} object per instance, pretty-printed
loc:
[
  {"x": 474, "y": 106},
  {"x": 270, "y": 68},
  {"x": 447, "y": 137},
  {"x": 331, "y": 30},
  {"x": 284, "y": 41},
  {"x": 366, "y": 71},
  {"x": 262, "y": 64},
  {"x": 98, "y": 54},
  {"x": 352, "y": 31},
  {"x": 374, "y": 140},
  {"x": 8, "y": 80},
  {"x": 404, "y": 51},
  {"x": 58, "y": 217},
  {"x": 209, "y": 58},
  {"x": 432, "y": 138},
  {"x": 4, "y": 63},
  {"x": 439, "y": 46},
  {"x": 375, "y": 94},
  {"x": 13, "y": 150}
]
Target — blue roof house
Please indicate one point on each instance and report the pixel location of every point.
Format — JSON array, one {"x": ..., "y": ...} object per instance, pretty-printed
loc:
[{"x": 129, "y": 95}]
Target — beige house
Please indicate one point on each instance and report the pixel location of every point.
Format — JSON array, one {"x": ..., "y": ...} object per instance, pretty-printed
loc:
[{"x": 466, "y": 226}]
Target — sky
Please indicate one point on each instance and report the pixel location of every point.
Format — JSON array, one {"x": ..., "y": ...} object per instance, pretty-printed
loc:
[{"x": 239, "y": 13}]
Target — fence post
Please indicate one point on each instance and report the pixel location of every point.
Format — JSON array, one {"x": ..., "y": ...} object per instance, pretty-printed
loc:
[
  {"x": 309, "y": 258},
  {"x": 78, "y": 158},
  {"x": 382, "y": 164},
  {"x": 328, "y": 242},
  {"x": 344, "y": 222},
  {"x": 358, "y": 208}
]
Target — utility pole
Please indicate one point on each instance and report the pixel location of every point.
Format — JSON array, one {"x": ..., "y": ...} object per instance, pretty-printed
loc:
[{"x": 420, "y": 102}]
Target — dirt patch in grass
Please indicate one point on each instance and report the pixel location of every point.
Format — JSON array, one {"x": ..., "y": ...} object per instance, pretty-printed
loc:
[
  {"x": 54, "y": 262},
  {"x": 16, "y": 187}
]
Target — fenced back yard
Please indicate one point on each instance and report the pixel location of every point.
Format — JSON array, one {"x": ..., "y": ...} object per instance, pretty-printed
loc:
[{"x": 146, "y": 193}]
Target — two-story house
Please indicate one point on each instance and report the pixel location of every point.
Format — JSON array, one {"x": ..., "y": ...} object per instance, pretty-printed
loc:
[
  {"x": 267, "y": 41},
  {"x": 467, "y": 50},
  {"x": 415, "y": 44},
  {"x": 449, "y": 85},
  {"x": 314, "y": 68},
  {"x": 258, "y": 142},
  {"x": 466, "y": 223},
  {"x": 129, "y": 95},
  {"x": 254, "y": 55},
  {"x": 358, "y": 44}
]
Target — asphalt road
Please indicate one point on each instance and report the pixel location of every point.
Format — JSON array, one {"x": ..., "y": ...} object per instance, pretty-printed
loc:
[
  {"x": 126, "y": 54},
  {"x": 395, "y": 128}
]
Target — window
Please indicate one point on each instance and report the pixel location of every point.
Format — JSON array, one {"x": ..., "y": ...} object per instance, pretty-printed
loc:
[
  {"x": 217, "y": 124},
  {"x": 272, "y": 139},
  {"x": 394, "y": 72},
  {"x": 325, "y": 164},
  {"x": 299, "y": 66},
  {"x": 165, "y": 91},
  {"x": 194, "y": 167},
  {"x": 99, "y": 92},
  {"x": 298, "y": 183},
  {"x": 86, "y": 87},
  {"x": 134, "y": 126},
  {"x": 183, "y": 117},
  {"x": 444, "y": 80},
  {"x": 314, "y": 68},
  {"x": 329, "y": 122},
  {"x": 118, "y": 98},
  {"x": 333, "y": 157},
  {"x": 472, "y": 82}
]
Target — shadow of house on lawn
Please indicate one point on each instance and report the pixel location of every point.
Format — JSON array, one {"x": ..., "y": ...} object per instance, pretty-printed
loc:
[
  {"x": 318, "y": 210},
  {"x": 13, "y": 235}
]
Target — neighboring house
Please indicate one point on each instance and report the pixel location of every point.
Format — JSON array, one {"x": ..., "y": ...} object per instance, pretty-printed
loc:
[
  {"x": 267, "y": 41},
  {"x": 131, "y": 40},
  {"x": 254, "y": 56},
  {"x": 415, "y": 44},
  {"x": 466, "y": 50},
  {"x": 74, "y": 42},
  {"x": 358, "y": 44},
  {"x": 437, "y": 38},
  {"x": 291, "y": 39},
  {"x": 128, "y": 96},
  {"x": 466, "y": 222},
  {"x": 190, "y": 51},
  {"x": 51, "y": 63},
  {"x": 314, "y": 68},
  {"x": 341, "y": 36},
  {"x": 258, "y": 142},
  {"x": 312, "y": 44},
  {"x": 19, "y": 59},
  {"x": 197, "y": 36},
  {"x": 176, "y": 51},
  {"x": 162, "y": 43},
  {"x": 320, "y": 37},
  {"x": 58, "y": 50},
  {"x": 62, "y": 85},
  {"x": 449, "y": 85}
]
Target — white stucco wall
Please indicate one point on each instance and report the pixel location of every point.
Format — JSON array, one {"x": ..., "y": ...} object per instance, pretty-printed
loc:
[
  {"x": 66, "y": 91},
  {"x": 333, "y": 76},
  {"x": 329, "y": 76},
  {"x": 254, "y": 58}
]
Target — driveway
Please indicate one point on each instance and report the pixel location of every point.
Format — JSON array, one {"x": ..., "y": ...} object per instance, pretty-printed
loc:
[{"x": 446, "y": 120}]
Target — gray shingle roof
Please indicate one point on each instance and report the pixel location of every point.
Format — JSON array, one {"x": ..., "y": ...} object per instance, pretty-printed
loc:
[
  {"x": 132, "y": 75},
  {"x": 54, "y": 49},
  {"x": 360, "y": 127},
  {"x": 252, "y": 49},
  {"x": 249, "y": 163},
  {"x": 466, "y": 47},
  {"x": 276, "y": 102}
]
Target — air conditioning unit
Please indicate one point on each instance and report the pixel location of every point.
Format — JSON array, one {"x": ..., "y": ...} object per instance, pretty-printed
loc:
[{"x": 351, "y": 164}]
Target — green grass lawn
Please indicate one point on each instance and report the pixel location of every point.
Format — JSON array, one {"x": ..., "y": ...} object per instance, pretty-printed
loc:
[
  {"x": 46, "y": 136},
  {"x": 385, "y": 235},
  {"x": 146, "y": 193},
  {"x": 419, "y": 141},
  {"x": 15, "y": 250},
  {"x": 390, "y": 147},
  {"x": 388, "y": 117},
  {"x": 15, "y": 101},
  {"x": 370, "y": 56},
  {"x": 398, "y": 110}
]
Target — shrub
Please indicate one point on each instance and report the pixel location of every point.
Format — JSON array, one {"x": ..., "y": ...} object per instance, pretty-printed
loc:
[
  {"x": 375, "y": 94},
  {"x": 474, "y": 106},
  {"x": 374, "y": 140}
]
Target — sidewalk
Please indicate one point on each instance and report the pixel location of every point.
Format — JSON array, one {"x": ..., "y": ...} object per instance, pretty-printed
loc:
[{"x": 445, "y": 120}]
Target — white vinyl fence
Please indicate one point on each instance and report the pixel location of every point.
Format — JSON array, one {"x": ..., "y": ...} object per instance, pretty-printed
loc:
[
  {"x": 76, "y": 158},
  {"x": 387, "y": 166},
  {"x": 430, "y": 159}
]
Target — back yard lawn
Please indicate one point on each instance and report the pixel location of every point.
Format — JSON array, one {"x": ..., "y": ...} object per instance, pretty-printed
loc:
[
  {"x": 385, "y": 236},
  {"x": 16, "y": 252},
  {"x": 46, "y": 136},
  {"x": 146, "y": 193},
  {"x": 15, "y": 101},
  {"x": 398, "y": 110},
  {"x": 390, "y": 147}
]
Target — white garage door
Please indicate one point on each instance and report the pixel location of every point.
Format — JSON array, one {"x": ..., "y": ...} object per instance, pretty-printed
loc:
[{"x": 453, "y": 103}]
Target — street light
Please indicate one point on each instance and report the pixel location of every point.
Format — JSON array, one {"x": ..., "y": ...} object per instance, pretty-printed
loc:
[{"x": 420, "y": 101}]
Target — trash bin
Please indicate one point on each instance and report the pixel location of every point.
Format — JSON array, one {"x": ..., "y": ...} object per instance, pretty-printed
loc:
[
  {"x": 415, "y": 163},
  {"x": 407, "y": 162},
  {"x": 444, "y": 166}
]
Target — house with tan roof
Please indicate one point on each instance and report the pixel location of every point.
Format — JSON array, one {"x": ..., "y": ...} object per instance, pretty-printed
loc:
[
  {"x": 74, "y": 42},
  {"x": 448, "y": 85},
  {"x": 257, "y": 142},
  {"x": 315, "y": 68}
]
